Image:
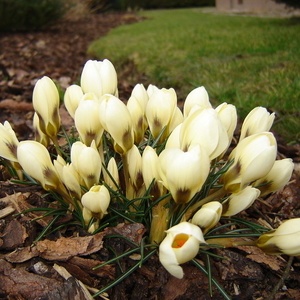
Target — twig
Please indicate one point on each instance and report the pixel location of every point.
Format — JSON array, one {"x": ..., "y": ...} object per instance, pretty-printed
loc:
[{"x": 282, "y": 279}]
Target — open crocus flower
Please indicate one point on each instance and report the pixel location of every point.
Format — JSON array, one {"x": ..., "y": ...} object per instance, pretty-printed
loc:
[
  {"x": 45, "y": 100},
  {"x": 253, "y": 158},
  {"x": 179, "y": 246},
  {"x": 258, "y": 120},
  {"x": 283, "y": 240},
  {"x": 183, "y": 173},
  {"x": 99, "y": 77}
]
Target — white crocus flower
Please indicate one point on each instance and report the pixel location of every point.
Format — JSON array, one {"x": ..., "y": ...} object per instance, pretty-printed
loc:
[
  {"x": 116, "y": 120},
  {"x": 258, "y": 120},
  {"x": 283, "y": 240},
  {"x": 99, "y": 77},
  {"x": 240, "y": 201},
  {"x": 253, "y": 158},
  {"x": 180, "y": 246},
  {"x": 208, "y": 215},
  {"x": 35, "y": 160},
  {"x": 96, "y": 200},
  {"x": 8, "y": 142},
  {"x": 204, "y": 128},
  {"x": 183, "y": 173},
  {"x": 196, "y": 99},
  {"x": 87, "y": 162},
  {"x": 45, "y": 100},
  {"x": 87, "y": 120},
  {"x": 277, "y": 178},
  {"x": 160, "y": 109},
  {"x": 72, "y": 97}
]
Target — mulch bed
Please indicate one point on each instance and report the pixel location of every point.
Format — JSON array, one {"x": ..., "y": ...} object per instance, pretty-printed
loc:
[{"x": 57, "y": 267}]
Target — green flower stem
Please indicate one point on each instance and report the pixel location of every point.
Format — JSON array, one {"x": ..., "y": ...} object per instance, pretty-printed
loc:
[{"x": 216, "y": 195}]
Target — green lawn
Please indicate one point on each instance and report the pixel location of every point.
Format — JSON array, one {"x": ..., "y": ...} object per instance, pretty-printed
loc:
[{"x": 243, "y": 60}]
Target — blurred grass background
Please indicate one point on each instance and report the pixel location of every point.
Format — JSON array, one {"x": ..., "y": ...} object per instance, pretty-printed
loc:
[{"x": 244, "y": 60}]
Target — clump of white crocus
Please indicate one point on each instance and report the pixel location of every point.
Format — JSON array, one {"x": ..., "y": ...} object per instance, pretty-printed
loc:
[
  {"x": 203, "y": 127},
  {"x": 208, "y": 215},
  {"x": 180, "y": 246},
  {"x": 283, "y": 240},
  {"x": 258, "y": 120},
  {"x": 240, "y": 201},
  {"x": 197, "y": 99},
  {"x": 87, "y": 120},
  {"x": 99, "y": 77},
  {"x": 183, "y": 173},
  {"x": 72, "y": 97},
  {"x": 277, "y": 178},
  {"x": 253, "y": 159},
  {"x": 87, "y": 162},
  {"x": 45, "y": 101},
  {"x": 116, "y": 120}
]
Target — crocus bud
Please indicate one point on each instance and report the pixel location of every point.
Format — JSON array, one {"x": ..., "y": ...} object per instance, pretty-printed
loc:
[
  {"x": 36, "y": 162},
  {"x": 137, "y": 112},
  {"x": 150, "y": 172},
  {"x": 160, "y": 109},
  {"x": 196, "y": 99},
  {"x": 135, "y": 167},
  {"x": 97, "y": 200},
  {"x": 116, "y": 120},
  {"x": 40, "y": 136},
  {"x": 240, "y": 201},
  {"x": 45, "y": 101},
  {"x": 176, "y": 119},
  {"x": 277, "y": 178},
  {"x": 71, "y": 180},
  {"x": 174, "y": 138},
  {"x": 8, "y": 142},
  {"x": 72, "y": 97},
  {"x": 111, "y": 174},
  {"x": 87, "y": 120},
  {"x": 258, "y": 120},
  {"x": 99, "y": 77},
  {"x": 180, "y": 246},
  {"x": 283, "y": 240},
  {"x": 87, "y": 162},
  {"x": 253, "y": 158},
  {"x": 183, "y": 173},
  {"x": 204, "y": 128},
  {"x": 208, "y": 215},
  {"x": 228, "y": 116}
]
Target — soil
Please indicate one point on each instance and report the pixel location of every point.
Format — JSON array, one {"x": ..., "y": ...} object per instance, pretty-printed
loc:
[{"x": 62, "y": 265}]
